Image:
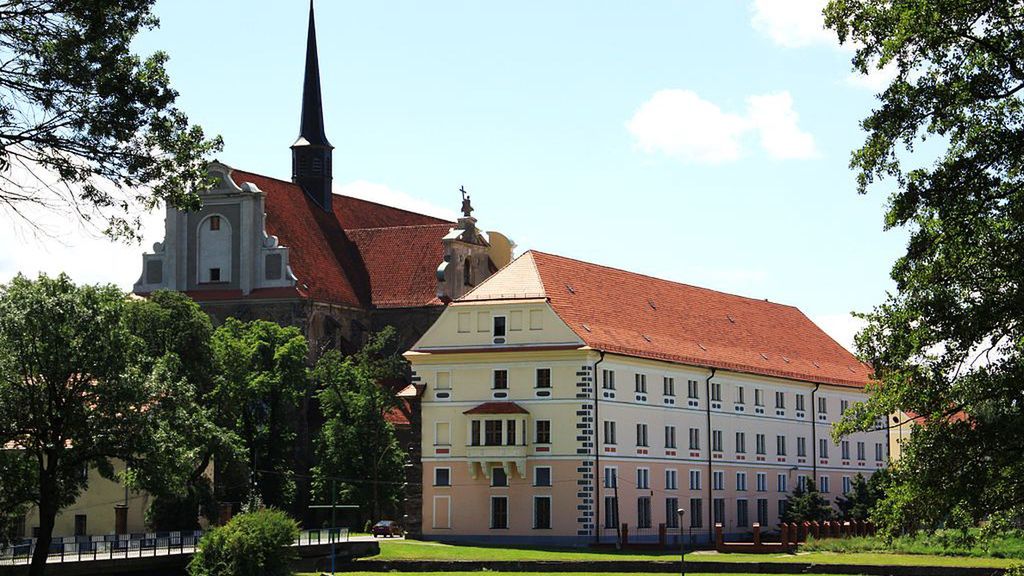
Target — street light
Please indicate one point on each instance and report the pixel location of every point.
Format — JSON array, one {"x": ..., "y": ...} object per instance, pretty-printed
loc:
[{"x": 682, "y": 546}]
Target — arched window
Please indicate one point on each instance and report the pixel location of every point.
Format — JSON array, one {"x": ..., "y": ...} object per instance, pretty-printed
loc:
[
  {"x": 467, "y": 272},
  {"x": 214, "y": 250}
]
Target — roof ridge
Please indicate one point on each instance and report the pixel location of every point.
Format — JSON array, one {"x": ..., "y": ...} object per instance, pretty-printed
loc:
[
  {"x": 333, "y": 193},
  {"x": 659, "y": 279}
]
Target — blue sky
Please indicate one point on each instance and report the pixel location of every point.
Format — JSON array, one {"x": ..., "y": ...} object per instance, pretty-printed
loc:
[{"x": 705, "y": 142}]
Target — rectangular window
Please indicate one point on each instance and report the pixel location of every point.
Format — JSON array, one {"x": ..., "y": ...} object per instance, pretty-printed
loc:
[
  {"x": 741, "y": 481},
  {"x": 716, "y": 392},
  {"x": 672, "y": 512},
  {"x": 762, "y": 511},
  {"x": 641, "y": 434},
  {"x": 442, "y": 434},
  {"x": 762, "y": 482},
  {"x": 694, "y": 479},
  {"x": 758, "y": 397},
  {"x": 542, "y": 512},
  {"x": 782, "y": 483},
  {"x": 499, "y": 327},
  {"x": 878, "y": 452},
  {"x": 823, "y": 486},
  {"x": 718, "y": 510},
  {"x": 500, "y": 380},
  {"x": 739, "y": 394},
  {"x": 442, "y": 476},
  {"x": 81, "y": 529},
  {"x": 780, "y": 400},
  {"x": 742, "y": 513},
  {"x": 510, "y": 437},
  {"x": 718, "y": 480},
  {"x": 609, "y": 432},
  {"x": 542, "y": 476},
  {"x": 668, "y": 386},
  {"x": 670, "y": 436},
  {"x": 741, "y": 443},
  {"x": 498, "y": 477},
  {"x": 759, "y": 440},
  {"x": 499, "y": 512},
  {"x": 474, "y": 432},
  {"x": 822, "y": 448},
  {"x": 694, "y": 439},
  {"x": 780, "y": 445},
  {"x": 844, "y": 447},
  {"x": 799, "y": 402},
  {"x": 692, "y": 391},
  {"x": 214, "y": 222},
  {"x": 846, "y": 484},
  {"x": 643, "y": 512},
  {"x": 643, "y": 478},
  {"x": 843, "y": 405},
  {"x": 610, "y": 476},
  {"x": 801, "y": 447},
  {"x": 822, "y": 405},
  {"x": 492, "y": 432},
  {"x": 696, "y": 513},
  {"x": 542, "y": 431},
  {"x": 716, "y": 440},
  {"x": 536, "y": 320},
  {"x": 214, "y": 274},
  {"x": 608, "y": 379},
  {"x": 671, "y": 480},
  {"x": 611, "y": 512},
  {"x": 641, "y": 383},
  {"x": 860, "y": 450},
  {"x": 543, "y": 377},
  {"x": 801, "y": 482},
  {"x": 782, "y": 508}
]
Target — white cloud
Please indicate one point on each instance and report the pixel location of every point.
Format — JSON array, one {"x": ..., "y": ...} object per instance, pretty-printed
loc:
[
  {"x": 382, "y": 194},
  {"x": 792, "y": 23},
  {"x": 876, "y": 79},
  {"x": 773, "y": 117},
  {"x": 841, "y": 327},
  {"x": 680, "y": 124}
]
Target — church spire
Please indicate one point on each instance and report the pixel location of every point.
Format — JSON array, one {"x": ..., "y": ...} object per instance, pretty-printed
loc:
[{"x": 311, "y": 153}]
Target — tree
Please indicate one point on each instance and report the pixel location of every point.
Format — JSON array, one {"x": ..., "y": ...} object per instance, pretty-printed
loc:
[
  {"x": 77, "y": 104},
  {"x": 174, "y": 329},
  {"x": 76, "y": 393},
  {"x": 261, "y": 376},
  {"x": 863, "y": 495},
  {"x": 807, "y": 505},
  {"x": 948, "y": 345},
  {"x": 257, "y": 542},
  {"x": 357, "y": 443}
]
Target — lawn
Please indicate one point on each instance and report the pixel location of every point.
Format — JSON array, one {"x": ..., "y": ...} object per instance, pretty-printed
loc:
[
  {"x": 532, "y": 574},
  {"x": 415, "y": 550}
]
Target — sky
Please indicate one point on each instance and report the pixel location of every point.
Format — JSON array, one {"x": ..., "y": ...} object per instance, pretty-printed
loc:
[{"x": 703, "y": 142}]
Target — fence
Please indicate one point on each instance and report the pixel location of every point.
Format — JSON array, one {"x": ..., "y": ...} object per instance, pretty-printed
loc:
[{"x": 111, "y": 546}]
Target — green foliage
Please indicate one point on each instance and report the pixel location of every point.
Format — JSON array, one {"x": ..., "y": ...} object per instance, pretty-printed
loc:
[
  {"x": 949, "y": 344},
  {"x": 863, "y": 495},
  {"x": 978, "y": 544},
  {"x": 77, "y": 391},
  {"x": 357, "y": 443},
  {"x": 257, "y": 543},
  {"x": 807, "y": 505},
  {"x": 261, "y": 377},
  {"x": 80, "y": 105}
]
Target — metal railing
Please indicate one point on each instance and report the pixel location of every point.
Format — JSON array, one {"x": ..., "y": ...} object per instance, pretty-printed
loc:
[{"x": 138, "y": 545}]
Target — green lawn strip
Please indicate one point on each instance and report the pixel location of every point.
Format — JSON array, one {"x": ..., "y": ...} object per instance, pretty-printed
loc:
[
  {"x": 414, "y": 550},
  {"x": 527, "y": 574}
]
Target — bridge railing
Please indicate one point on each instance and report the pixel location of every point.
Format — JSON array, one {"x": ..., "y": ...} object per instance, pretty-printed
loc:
[{"x": 112, "y": 546}]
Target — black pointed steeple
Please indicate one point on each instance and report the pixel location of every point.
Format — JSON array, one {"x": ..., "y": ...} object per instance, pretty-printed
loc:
[{"x": 311, "y": 153}]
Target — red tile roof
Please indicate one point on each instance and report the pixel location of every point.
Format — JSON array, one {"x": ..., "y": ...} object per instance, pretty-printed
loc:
[
  {"x": 363, "y": 254},
  {"x": 628, "y": 313},
  {"x": 497, "y": 408}
]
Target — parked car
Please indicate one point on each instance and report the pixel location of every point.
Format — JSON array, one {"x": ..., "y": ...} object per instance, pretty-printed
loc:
[{"x": 387, "y": 529}]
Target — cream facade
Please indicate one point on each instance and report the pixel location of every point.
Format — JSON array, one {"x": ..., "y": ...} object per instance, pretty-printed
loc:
[{"x": 531, "y": 435}]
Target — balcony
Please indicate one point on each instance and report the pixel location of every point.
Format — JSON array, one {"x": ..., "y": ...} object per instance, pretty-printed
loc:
[{"x": 483, "y": 458}]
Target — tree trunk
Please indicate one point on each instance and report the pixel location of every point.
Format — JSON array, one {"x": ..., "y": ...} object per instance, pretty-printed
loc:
[{"x": 47, "y": 517}]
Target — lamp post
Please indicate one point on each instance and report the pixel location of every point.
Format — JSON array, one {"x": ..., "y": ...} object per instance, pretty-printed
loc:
[{"x": 682, "y": 544}]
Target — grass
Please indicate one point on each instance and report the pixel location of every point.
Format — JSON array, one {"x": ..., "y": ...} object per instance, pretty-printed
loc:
[
  {"x": 942, "y": 543},
  {"x": 529, "y": 574},
  {"x": 416, "y": 550}
]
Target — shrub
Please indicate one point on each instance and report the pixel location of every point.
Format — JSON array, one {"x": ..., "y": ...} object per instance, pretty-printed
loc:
[{"x": 253, "y": 544}]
